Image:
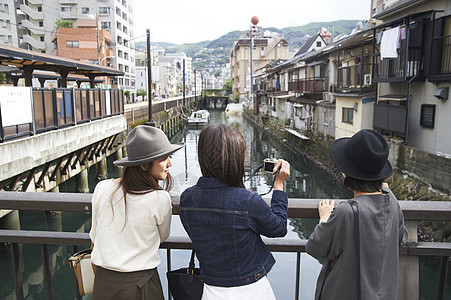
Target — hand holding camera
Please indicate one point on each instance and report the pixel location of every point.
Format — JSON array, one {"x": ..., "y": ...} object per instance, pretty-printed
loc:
[{"x": 271, "y": 165}]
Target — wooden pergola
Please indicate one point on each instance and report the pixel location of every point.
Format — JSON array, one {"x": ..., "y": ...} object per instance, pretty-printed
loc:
[{"x": 28, "y": 61}]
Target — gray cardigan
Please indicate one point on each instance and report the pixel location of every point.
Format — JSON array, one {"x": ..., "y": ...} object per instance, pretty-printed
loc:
[{"x": 381, "y": 232}]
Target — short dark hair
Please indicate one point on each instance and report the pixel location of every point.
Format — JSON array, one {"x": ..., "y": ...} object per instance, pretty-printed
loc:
[
  {"x": 363, "y": 185},
  {"x": 221, "y": 151}
]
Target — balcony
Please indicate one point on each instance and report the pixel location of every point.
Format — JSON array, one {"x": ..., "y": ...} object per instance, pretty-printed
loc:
[
  {"x": 34, "y": 14},
  {"x": 33, "y": 42},
  {"x": 33, "y": 28},
  {"x": 310, "y": 85},
  {"x": 402, "y": 68},
  {"x": 440, "y": 66},
  {"x": 390, "y": 115}
]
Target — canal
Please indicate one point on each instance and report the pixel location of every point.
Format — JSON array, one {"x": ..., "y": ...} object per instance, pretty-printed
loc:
[{"x": 306, "y": 181}]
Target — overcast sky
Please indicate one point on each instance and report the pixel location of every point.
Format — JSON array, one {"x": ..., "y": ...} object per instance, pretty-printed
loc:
[{"x": 192, "y": 21}]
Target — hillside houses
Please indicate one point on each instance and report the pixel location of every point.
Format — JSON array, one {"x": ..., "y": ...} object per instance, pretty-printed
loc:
[{"x": 394, "y": 77}]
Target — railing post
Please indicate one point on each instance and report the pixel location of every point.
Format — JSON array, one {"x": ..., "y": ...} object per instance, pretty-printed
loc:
[
  {"x": 17, "y": 266},
  {"x": 47, "y": 274},
  {"x": 298, "y": 275},
  {"x": 442, "y": 278},
  {"x": 409, "y": 272},
  {"x": 168, "y": 265}
]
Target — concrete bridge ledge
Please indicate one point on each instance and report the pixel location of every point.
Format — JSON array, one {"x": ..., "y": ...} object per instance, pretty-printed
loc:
[{"x": 19, "y": 156}]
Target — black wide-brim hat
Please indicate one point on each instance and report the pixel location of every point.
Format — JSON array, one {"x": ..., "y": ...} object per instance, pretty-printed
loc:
[
  {"x": 363, "y": 156},
  {"x": 145, "y": 144}
]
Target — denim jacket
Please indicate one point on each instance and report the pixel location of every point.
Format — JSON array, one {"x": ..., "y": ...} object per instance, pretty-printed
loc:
[{"x": 225, "y": 224}]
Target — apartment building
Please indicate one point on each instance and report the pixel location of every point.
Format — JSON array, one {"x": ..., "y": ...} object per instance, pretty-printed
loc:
[
  {"x": 268, "y": 48},
  {"x": 36, "y": 21},
  {"x": 8, "y": 30}
]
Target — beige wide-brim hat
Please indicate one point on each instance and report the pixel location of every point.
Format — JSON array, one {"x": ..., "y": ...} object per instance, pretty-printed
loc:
[{"x": 145, "y": 144}]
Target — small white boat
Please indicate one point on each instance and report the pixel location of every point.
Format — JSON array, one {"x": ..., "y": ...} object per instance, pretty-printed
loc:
[
  {"x": 234, "y": 109},
  {"x": 199, "y": 118}
]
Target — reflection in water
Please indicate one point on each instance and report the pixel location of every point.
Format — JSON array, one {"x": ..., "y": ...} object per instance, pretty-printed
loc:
[{"x": 306, "y": 181}]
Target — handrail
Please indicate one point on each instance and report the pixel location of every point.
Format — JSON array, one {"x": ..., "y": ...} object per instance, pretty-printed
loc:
[
  {"x": 183, "y": 242},
  {"x": 297, "y": 207}
]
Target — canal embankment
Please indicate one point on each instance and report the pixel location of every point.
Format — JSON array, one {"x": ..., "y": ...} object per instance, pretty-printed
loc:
[{"x": 418, "y": 175}]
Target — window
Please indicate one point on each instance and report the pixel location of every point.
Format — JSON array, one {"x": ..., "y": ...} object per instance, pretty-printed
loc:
[
  {"x": 41, "y": 24},
  {"x": 39, "y": 8},
  {"x": 124, "y": 29},
  {"x": 65, "y": 8},
  {"x": 42, "y": 38},
  {"x": 126, "y": 55},
  {"x": 106, "y": 25},
  {"x": 72, "y": 44},
  {"x": 318, "y": 44},
  {"x": 118, "y": 11},
  {"x": 85, "y": 10},
  {"x": 118, "y": 25},
  {"x": 124, "y": 16},
  {"x": 348, "y": 115},
  {"x": 104, "y": 10},
  {"x": 427, "y": 115},
  {"x": 119, "y": 53},
  {"x": 119, "y": 40}
]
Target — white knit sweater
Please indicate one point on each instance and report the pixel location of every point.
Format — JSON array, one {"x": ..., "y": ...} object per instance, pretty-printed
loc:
[{"x": 132, "y": 247}]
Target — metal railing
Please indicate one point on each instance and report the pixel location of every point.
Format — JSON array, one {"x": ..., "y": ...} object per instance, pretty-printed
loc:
[
  {"x": 55, "y": 108},
  {"x": 140, "y": 110},
  {"x": 309, "y": 85},
  {"x": 297, "y": 208},
  {"x": 441, "y": 56}
]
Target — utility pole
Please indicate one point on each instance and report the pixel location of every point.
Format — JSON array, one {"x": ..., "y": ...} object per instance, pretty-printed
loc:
[
  {"x": 183, "y": 83},
  {"x": 98, "y": 42},
  {"x": 149, "y": 80}
]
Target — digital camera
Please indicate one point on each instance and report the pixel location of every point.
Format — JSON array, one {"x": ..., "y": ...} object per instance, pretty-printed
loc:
[{"x": 268, "y": 164}]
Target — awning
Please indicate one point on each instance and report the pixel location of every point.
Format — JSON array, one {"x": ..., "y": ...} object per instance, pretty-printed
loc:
[
  {"x": 285, "y": 96},
  {"x": 294, "y": 132}
]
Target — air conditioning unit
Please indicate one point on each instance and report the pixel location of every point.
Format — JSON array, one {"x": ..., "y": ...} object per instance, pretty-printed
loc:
[{"x": 367, "y": 79}]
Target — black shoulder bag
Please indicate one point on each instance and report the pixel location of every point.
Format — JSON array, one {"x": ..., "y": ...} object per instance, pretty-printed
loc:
[
  {"x": 186, "y": 283},
  {"x": 355, "y": 210}
]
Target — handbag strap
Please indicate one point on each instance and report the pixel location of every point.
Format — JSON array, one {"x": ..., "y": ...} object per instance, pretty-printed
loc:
[
  {"x": 355, "y": 209},
  {"x": 191, "y": 263}
]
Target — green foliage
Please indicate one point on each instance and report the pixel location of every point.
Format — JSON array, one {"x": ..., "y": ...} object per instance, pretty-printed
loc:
[
  {"x": 141, "y": 92},
  {"x": 127, "y": 94},
  {"x": 64, "y": 24},
  {"x": 2, "y": 77},
  {"x": 228, "y": 86}
]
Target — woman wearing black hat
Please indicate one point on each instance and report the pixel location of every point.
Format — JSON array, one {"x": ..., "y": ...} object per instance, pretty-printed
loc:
[
  {"x": 363, "y": 160},
  {"x": 131, "y": 216}
]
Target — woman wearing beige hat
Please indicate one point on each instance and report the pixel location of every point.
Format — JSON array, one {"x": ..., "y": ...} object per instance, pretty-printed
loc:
[{"x": 131, "y": 216}]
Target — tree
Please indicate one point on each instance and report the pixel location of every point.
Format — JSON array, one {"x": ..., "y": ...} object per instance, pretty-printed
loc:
[
  {"x": 228, "y": 86},
  {"x": 64, "y": 24},
  {"x": 2, "y": 77},
  {"x": 141, "y": 92},
  {"x": 127, "y": 95}
]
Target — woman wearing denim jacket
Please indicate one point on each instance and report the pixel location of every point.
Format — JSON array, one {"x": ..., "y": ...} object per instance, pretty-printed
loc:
[{"x": 225, "y": 221}]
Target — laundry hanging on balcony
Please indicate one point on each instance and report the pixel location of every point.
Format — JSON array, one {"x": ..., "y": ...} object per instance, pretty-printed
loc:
[{"x": 390, "y": 43}]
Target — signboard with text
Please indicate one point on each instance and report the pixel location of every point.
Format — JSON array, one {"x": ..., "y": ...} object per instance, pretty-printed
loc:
[{"x": 15, "y": 105}]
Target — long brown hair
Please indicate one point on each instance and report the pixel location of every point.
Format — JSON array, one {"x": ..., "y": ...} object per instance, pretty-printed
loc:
[
  {"x": 138, "y": 180},
  {"x": 221, "y": 151}
]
